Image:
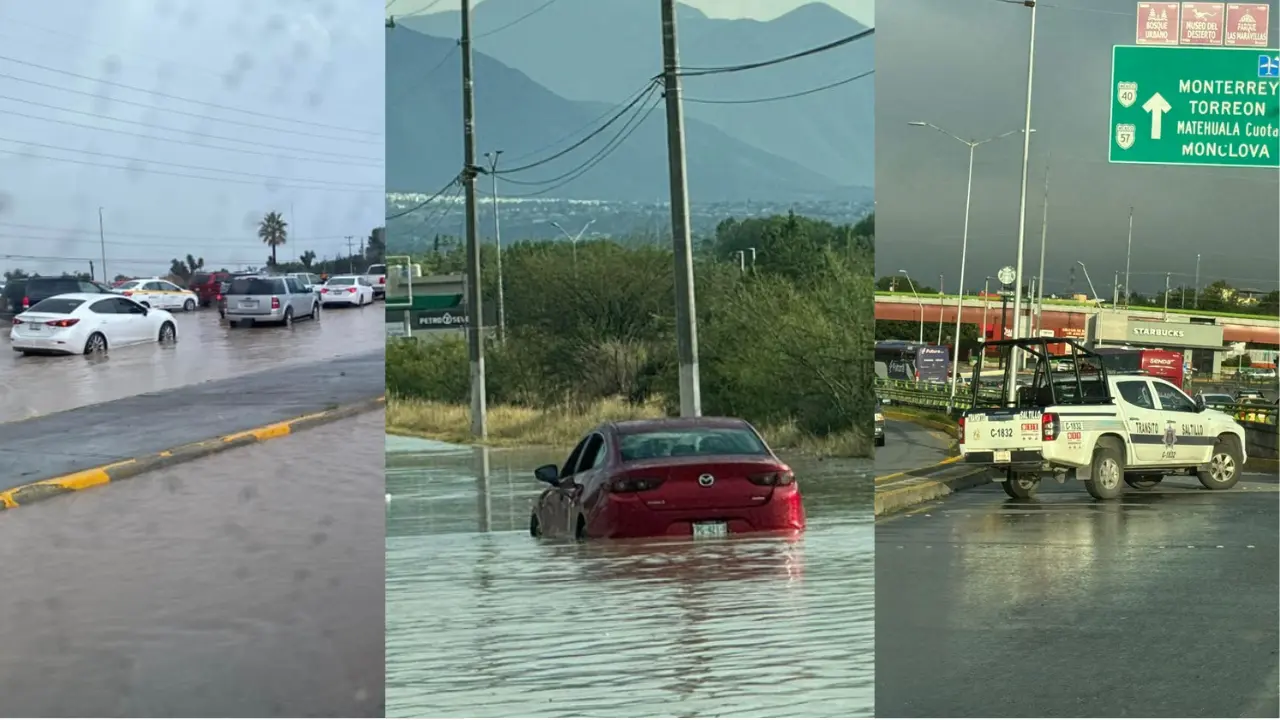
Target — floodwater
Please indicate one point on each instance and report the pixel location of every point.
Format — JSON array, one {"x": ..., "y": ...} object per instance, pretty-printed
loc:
[
  {"x": 207, "y": 349},
  {"x": 484, "y": 621},
  {"x": 248, "y": 583}
]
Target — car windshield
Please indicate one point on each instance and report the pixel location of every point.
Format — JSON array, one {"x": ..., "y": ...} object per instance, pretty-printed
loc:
[
  {"x": 56, "y": 306},
  {"x": 255, "y": 286},
  {"x": 342, "y": 281},
  {"x": 648, "y": 445},
  {"x": 377, "y": 269}
]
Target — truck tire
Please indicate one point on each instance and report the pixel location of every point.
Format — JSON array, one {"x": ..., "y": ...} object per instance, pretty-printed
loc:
[
  {"x": 1142, "y": 482},
  {"x": 1224, "y": 465},
  {"x": 1106, "y": 473},
  {"x": 1021, "y": 486}
]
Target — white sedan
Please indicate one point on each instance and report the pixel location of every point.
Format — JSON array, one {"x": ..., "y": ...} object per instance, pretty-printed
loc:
[
  {"x": 78, "y": 323},
  {"x": 346, "y": 290},
  {"x": 158, "y": 293}
]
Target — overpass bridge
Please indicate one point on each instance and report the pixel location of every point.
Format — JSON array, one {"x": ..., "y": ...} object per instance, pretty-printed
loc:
[{"x": 1064, "y": 320}]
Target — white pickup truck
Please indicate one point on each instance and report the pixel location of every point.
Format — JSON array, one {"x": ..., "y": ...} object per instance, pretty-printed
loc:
[
  {"x": 1099, "y": 427},
  {"x": 377, "y": 277}
]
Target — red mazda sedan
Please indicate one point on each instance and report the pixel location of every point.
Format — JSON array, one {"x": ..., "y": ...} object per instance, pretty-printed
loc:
[{"x": 689, "y": 477}]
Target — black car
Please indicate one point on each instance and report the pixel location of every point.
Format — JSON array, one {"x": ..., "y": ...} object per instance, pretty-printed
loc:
[
  {"x": 42, "y": 288},
  {"x": 11, "y": 299}
]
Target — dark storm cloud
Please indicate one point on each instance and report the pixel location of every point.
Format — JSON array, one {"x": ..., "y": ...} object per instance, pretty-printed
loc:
[{"x": 962, "y": 65}]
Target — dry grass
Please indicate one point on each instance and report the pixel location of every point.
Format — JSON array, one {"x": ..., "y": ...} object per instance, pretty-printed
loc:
[{"x": 561, "y": 427}]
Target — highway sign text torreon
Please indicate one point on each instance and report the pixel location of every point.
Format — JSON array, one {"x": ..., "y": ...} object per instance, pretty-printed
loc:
[{"x": 1208, "y": 106}]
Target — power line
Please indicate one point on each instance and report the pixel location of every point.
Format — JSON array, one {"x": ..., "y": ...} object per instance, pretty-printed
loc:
[
  {"x": 449, "y": 205},
  {"x": 422, "y": 79},
  {"x": 201, "y": 168},
  {"x": 157, "y": 108},
  {"x": 189, "y": 143},
  {"x": 698, "y": 72},
  {"x": 181, "y": 175},
  {"x": 132, "y": 261},
  {"x": 157, "y": 93},
  {"x": 455, "y": 181},
  {"x": 644, "y": 95},
  {"x": 167, "y": 236},
  {"x": 517, "y": 21},
  {"x": 776, "y": 98},
  {"x": 422, "y": 11},
  {"x": 62, "y": 235},
  {"x": 620, "y": 107},
  {"x": 193, "y": 133}
]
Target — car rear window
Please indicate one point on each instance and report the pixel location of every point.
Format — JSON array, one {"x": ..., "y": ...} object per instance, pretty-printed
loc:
[
  {"x": 377, "y": 269},
  {"x": 256, "y": 286},
  {"x": 691, "y": 442},
  {"x": 345, "y": 280},
  {"x": 54, "y": 285},
  {"x": 200, "y": 278},
  {"x": 56, "y": 306}
]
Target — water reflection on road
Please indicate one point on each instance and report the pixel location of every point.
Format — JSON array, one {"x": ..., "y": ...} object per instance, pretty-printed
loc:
[
  {"x": 207, "y": 349},
  {"x": 482, "y": 620}
]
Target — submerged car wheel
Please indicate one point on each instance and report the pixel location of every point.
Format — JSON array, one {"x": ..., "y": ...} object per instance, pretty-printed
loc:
[
  {"x": 580, "y": 531},
  {"x": 1021, "y": 486},
  {"x": 1224, "y": 466},
  {"x": 288, "y": 317},
  {"x": 535, "y": 529},
  {"x": 97, "y": 343},
  {"x": 168, "y": 333},
  {"x": 189, "y": 305}
]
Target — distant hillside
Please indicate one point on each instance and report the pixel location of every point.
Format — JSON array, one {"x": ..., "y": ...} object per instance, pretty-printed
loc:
[
  {"x": 424, "y": 135},
  {"x": 602, "y": 51}
]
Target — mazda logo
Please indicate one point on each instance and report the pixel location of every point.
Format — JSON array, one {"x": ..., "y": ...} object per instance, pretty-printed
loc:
[{"x": 706, "y": 480}]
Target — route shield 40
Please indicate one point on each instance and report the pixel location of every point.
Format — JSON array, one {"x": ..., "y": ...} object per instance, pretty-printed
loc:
[{"x": 1206, "y": 106}]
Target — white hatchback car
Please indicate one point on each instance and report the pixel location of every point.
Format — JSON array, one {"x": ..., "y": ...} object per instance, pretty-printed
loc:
[
  {"x": 158, "y": 293},
  {"x": 84, "y": 323},
  {"x": 346, "y": 290}
]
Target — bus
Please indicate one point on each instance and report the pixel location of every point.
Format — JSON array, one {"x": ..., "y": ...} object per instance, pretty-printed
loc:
[{"x": 903, "y": 360}]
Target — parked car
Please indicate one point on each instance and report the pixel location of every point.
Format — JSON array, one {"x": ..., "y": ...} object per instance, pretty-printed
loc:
[
  {"x": 879, "y": 427},
  {"x": 11, "y": 298},
  {"x": 41, "y": 288},
  {"x": 159, "y": 293},
  {"x": 1216, "y": 401},
  {"x": 86, "y": 323},
  {"x": 207, "y": 286},
  {"x": 690, "y": 477},
  {"x": 310, "y": 281},
  {"x": 377, "y": 276},
  {"x": 269, "y": 299},
  {"x": 346, "y": 290}
]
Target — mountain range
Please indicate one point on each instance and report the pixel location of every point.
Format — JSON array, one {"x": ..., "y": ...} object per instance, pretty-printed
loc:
[{"x": 542, "y": 81}]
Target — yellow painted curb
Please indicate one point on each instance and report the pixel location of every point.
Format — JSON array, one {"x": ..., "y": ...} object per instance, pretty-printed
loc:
[
  {"x": 124, "y": 469},
  {"x": 926, "y": 468}
]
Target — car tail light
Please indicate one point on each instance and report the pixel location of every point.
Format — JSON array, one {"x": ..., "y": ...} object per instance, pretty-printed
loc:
[
  {"x": 218, "y": 297},
  {"x": 382, "y": 279},
  {"x": 26, "y": 303},
  {"x": 16, "y": 321},
  {"x": 783, "y": 477},
  {"x": 625, "y": 484},
  {"x": 324, "y": 291},
  {"x": 960, "y": 425},
  {"x": 351, "y": 290},
  {"x": 63, "y": 323},
  {"x": 275, "y": 303},
  {"x": 127, "y": 293},
  {"x": 1049, "y": 426}
]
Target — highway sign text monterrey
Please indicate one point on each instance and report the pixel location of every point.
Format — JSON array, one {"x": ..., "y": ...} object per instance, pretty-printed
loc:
[{"x": 1195, "y": 106}]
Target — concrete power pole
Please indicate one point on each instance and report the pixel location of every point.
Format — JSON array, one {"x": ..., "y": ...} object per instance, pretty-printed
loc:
[
  {"x": 475, "y": 314},
  {"x": 497, "y": 240},
  {"x": 686, "y": 318},
  {"x": 1128, "y": 253},
  {"x": 102, "y": 241},
  {"x": 350, "y": 254}
]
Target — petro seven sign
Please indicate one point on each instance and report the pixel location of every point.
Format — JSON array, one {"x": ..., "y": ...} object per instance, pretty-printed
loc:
[{"x": 1206, "y": 106}]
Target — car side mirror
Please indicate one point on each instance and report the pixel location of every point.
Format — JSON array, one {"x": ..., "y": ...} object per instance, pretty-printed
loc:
[
  {"x": 549, "y": 474},
  {"x": 1200, "y": 406}
]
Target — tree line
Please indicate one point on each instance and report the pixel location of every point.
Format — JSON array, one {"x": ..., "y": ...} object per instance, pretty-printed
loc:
[{"x": 784, "y": 339}]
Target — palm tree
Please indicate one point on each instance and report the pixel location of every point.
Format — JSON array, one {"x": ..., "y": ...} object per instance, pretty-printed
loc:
[{"x": 274, "y": 231}]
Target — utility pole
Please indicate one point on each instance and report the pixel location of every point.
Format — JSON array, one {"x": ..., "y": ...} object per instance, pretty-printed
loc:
[
  {"x": 1015, "y": 356},
  {"x": 1195, "y": 297},
  {"x": 1044, "y": 242},
  {"x": 1128, "y": 253},
  {"x": 101, "y": 241},
  {"x": 92, "y": 276},
  {"x": 350, "y": 255},
  {"x": 497, "y": 239},
  {"x": 1115, "y": 291},
  {"x": 1166, "y": 296},
  {"x": 686, "y": 319},
  {"x": 475, "y": 316},
  {"x": 942, "y": 306}
]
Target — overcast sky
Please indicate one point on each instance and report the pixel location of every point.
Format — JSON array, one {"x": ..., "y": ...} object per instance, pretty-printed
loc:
[
  {"x": 962, "y": 65},
  {"x": 233, "y": 109},
  {"x": 863, "y": 11}
]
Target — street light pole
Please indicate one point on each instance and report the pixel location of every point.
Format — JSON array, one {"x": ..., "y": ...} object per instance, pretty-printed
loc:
[
  {"x": 918, "y": 302},
  {"x": 964, "y": 242},
  {"x": 1166, "y": 296},
  {"x": 1015, "y": 356},
  {"x": 1195, "y": 299},
  {"x": 942, "y": 306},
  {"x": 1044, "y": 243},
  {"x": 497, "y": 238},
  {"x": 102, "y": 241},
  {"x": 1128, "y": 253},
  {"x": 573, "y": 239}
]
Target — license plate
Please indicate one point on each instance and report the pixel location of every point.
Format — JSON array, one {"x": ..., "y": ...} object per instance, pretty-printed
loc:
[
  {"x": 1003, "y": 456},
  {"x": 34, "y": 328},
  {"x": 248, "y": 303},
  {"x": 710, "y": 530}
]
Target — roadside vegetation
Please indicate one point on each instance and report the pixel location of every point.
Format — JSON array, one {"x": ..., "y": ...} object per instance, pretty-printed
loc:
[{"x": 786, "y": 344}]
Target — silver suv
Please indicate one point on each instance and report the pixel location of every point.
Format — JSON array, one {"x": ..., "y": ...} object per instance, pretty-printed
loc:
[{"x": 269, "y": 299}]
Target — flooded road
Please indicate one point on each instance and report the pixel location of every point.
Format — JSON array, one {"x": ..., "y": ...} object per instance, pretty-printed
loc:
[
  {"x": 1162, "y": 604},
  {"x": 482, "y": 620},
  {"x": 207, "y": 349},
  {"x": 245, "y": 584}
]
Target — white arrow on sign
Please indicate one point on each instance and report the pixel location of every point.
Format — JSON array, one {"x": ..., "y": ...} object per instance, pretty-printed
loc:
[{"x": 1157, "y": 106}]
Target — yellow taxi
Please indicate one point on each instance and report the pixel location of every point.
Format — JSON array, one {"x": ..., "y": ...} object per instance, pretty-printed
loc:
[{"x": 159, "y": 293}]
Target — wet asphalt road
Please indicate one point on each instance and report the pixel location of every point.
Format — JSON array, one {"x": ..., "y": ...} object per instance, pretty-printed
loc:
[
  {"x": 247, "y": 584},
  {"x": 40, "y": 448},
  {"x": 908, "y": 446},
  {"x": 502, "y": 625},
  {"x": 207, "y": 349},
  {"x": 1164, "y": 604}
]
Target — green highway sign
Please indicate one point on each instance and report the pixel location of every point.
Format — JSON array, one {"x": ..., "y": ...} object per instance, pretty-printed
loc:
[{"x": 1205, "y": 106}]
